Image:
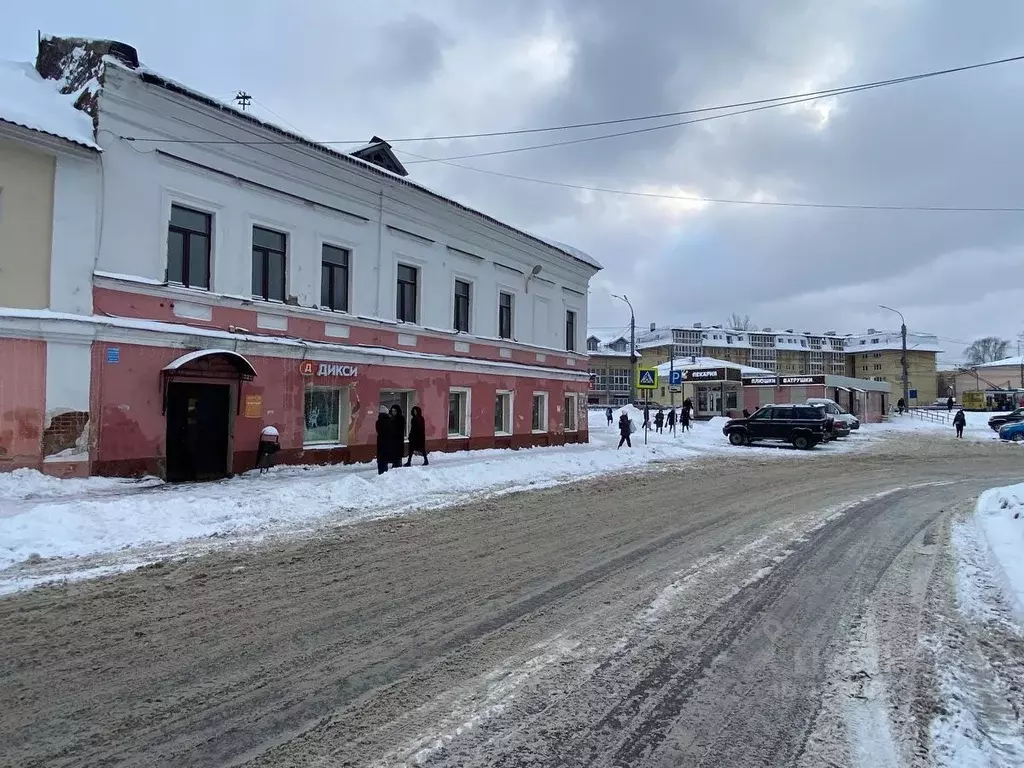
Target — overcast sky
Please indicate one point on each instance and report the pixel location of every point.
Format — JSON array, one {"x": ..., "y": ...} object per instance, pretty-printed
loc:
[{"x": 337, "y": 70}]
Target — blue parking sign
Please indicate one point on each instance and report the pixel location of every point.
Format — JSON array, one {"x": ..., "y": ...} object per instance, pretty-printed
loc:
[{"x": 675, "y": 378}]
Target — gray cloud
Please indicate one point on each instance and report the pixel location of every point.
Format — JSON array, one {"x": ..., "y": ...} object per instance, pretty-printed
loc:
[{"x": 461, "y": 65}]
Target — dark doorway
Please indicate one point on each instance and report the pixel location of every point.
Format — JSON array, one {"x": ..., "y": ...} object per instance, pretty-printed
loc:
[{"x": 197, "y": 431}]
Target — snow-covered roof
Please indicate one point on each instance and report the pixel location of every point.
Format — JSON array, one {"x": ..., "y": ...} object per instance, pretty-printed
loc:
[
  {"x": 239, "y": 361},
  {"x": 26, "y": 99},
  {"x": 155, "y": 78},
  {"x": 1006, "y": 362},
  {"x": 892, "y": 340},
  {"x": 686, "y": 364}
]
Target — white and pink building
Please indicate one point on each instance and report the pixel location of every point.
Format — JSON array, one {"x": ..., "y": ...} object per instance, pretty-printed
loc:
[{"x": 178, "y": 274}]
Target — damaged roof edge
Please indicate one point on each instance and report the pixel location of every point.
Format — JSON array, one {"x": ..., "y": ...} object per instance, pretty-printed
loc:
[{"x": 152, "y": 78}]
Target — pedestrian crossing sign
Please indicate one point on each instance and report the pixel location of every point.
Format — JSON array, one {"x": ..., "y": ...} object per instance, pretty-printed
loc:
[{"x": 647, "y": 378}]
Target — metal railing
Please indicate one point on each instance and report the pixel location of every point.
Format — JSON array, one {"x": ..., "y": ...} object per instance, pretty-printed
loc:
[{"x": 939, "y": 417}]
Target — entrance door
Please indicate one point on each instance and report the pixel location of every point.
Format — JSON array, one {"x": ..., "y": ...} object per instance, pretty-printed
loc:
[
  {"x": 197, "y": 431},
  {"x": 709, "y": 401}
]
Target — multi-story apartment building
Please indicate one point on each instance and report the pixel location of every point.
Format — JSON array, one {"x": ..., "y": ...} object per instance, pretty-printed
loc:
[
  {"x": 791, "y": 352},
  {"x": 611, "y": 371},
  {"x": 211, "y": 274},
  {"x": 878, "y": 355}
]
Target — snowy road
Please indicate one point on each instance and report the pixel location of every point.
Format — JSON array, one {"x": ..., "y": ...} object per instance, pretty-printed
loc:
[{"x": 735, "y": 611}]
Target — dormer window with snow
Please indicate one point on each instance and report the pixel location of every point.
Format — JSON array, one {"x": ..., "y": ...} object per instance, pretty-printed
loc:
[{"x": 379, "y": 153}]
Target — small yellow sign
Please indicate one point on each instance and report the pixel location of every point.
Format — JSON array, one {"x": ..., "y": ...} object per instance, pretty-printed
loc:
[{"x": 254, "y": 406}]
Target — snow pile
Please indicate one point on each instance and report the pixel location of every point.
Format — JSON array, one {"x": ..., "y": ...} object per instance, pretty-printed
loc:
[
  {"x": 26, "y": 99},
  {"x": 25, "y": 484},
  {"x": 1000, "y": 518},
  {"x": 977, "y": 425},
  {"x": 51, "y": 518}
]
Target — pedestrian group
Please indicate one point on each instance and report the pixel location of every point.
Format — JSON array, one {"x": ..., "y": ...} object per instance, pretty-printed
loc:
[
  {"x": 391, "y": 437},
  {"x": 661, "y": 419}
]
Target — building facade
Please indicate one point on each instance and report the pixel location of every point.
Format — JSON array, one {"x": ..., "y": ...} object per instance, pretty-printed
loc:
[
  {"x": 875, "y": 355},
  {"x": 611, "y": 371},
  {"x": 49, "y": 178},
  {"x": 247, "y": 277}
]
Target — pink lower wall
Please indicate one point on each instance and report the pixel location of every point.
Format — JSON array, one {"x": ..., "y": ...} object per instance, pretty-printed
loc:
[
  {"x": 129, "y": 433},
  {"x": 22, "y": 402}
]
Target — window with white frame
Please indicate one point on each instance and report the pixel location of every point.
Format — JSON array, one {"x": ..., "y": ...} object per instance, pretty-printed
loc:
[
  {"x": 505, "y": 313},
  {"x": 334, "y": 278},
  {"x": 503, "y": 413},
  {"x": 458, "y": 413},
  {"x": 406, "y": 293},
  {"x": 570, "y": 414},
  {"x": 325, "y": 416},
  {"x": 269, "y": 253},
  {"x": 463, "y": 291},
  {"x": 570, "y": 330},
  {"x": 188, "y": 247},
  {"x": 539, "y": 417}
]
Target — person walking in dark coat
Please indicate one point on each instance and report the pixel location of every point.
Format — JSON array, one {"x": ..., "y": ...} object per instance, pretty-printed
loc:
[
  {"x": 672, "y": 421},
  {"x": 686, "y": 418},
  {"x": 608, "y": 415},
  {"x": 417, "y": 436},
  {"x": 901, "y": 405},
  {"x": 624, "y": 430},
  {"x": 397, "y": 436},
  {"x": 647, "y": 417},
  {"x": 385, "y": 440},
  {"x": 949, "y": 404},
  {"x": 960, "y": 421},
  {"x": 659, "y": 421}
]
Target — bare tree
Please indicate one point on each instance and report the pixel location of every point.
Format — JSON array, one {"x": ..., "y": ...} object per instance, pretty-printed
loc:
[
  {"x": 739, "y": 322},
  {"x": 986, "y": 350}
]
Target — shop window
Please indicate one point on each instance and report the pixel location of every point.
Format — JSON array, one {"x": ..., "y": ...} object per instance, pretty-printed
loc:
[
  {"x": 505, "y": 314},
  {"x": 406, "y": 293},
  {"x": 569, "y": 413},
  {"x": 503, "y": 413},
  {"x": 334, "y": 278},
  {"x": 325, "y": 416},
  {"x": 461, "y": 310},
  {"x": 188, "y": 247},
  {"x": 268, "y": 264},
  {"x": 731, "y": 400},
  {"x": 404, "y": 399},
  {"x": 539, "y": 416},
  {"x": 458, "y": 413}
]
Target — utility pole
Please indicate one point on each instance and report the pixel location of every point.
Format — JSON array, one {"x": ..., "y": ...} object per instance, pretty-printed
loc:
[
  {"x": 243, "y": 99},
  {"x": 903, "y": 360},
  {"x": 1019, "y": 339},
  {"x": 671, "y": 375},
  {"x": 632, "y": 348}
]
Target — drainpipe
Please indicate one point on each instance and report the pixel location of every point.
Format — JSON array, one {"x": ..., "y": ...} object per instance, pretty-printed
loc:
[{"x": 380, "y": 248}]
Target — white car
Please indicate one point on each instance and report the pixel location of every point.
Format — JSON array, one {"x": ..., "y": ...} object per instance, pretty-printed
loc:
[{"x": 836, "y": 411}]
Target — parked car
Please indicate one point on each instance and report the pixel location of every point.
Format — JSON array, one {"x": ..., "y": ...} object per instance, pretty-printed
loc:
[
  {"x": 1012, "y": 417},
  {"x": 837, "y": 412},
  {"x": 800, "y": 424},
  {"x": 1013, "y": 431}
]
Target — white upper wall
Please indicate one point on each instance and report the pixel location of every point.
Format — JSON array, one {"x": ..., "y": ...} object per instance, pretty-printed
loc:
[{"x": 314, "y": 198}]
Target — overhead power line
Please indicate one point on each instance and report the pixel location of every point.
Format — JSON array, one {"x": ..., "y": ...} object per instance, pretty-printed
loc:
[
  {"x": 732, "y": 201},
  {"x": 767, "y": 103}
]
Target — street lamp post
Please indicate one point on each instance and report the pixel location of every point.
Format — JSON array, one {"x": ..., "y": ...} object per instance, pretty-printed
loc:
[
  {"x": 903, "y": 333},
  {"x": 632, "y": 347}
]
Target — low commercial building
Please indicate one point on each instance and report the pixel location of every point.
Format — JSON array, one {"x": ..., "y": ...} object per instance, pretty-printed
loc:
[
  {"x": 245, "y": 277},
  {"x": 866, "y": 399},
  {"x": 996, "y": 385},
  {"x": 611, "y": 371}
]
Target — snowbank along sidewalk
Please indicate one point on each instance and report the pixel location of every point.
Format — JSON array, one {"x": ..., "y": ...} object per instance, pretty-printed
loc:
[
  {"x": 1000, "y": 519},
  {"x": 43, "y": 518}
]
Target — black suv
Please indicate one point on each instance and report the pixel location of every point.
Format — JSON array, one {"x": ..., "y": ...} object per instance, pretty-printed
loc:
[
  {"x": 800, "y": 424},
  {"x": 1006, "y": 418}
]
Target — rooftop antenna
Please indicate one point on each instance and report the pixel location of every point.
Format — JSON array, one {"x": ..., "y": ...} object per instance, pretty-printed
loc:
[{"x": 243, "y": 99}]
